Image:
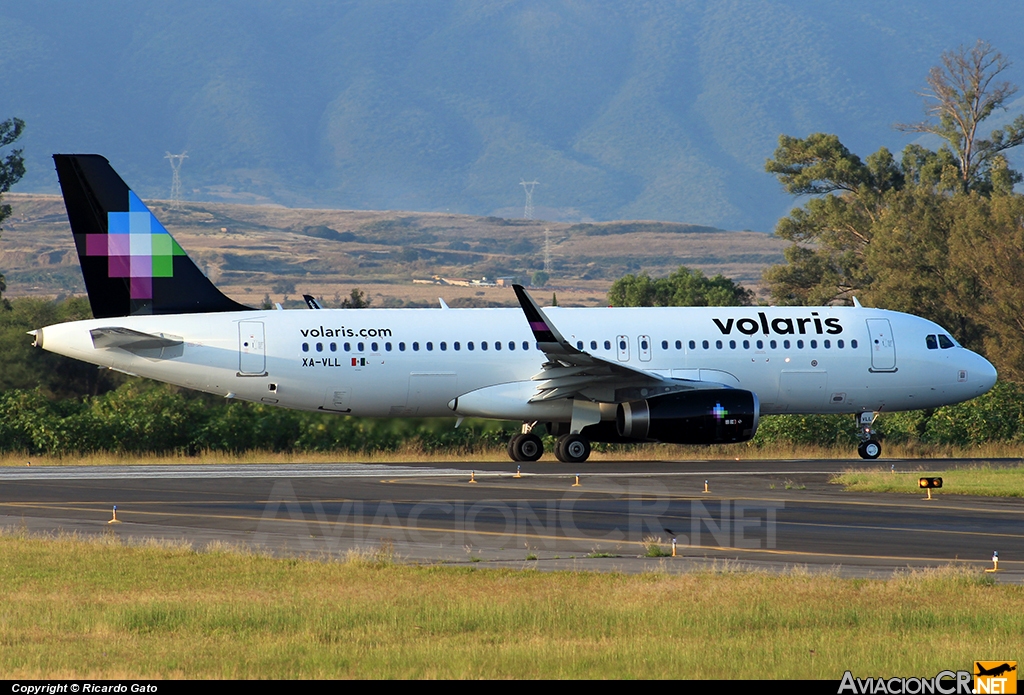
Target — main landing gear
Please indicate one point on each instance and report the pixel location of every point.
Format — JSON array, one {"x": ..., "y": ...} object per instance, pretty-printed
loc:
[
  {"x": 569, "y": 448},
  {"x": 870, "y": 447},
  {"x": 525, "y": 447}
]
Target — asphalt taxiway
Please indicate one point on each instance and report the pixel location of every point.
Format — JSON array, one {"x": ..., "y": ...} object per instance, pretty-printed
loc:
[{"x": 772, "y": 515}]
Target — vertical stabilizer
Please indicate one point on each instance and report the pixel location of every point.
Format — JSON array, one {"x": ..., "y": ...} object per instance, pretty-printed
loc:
[{"x": 130, "y": 263}]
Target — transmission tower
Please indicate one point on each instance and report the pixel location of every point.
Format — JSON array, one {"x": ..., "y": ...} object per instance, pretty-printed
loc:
[
  {"x": 176, "y": 160},
  {"x": 528, "y": 187}
]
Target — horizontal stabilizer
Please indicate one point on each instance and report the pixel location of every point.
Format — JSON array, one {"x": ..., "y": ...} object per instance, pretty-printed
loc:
[{"x": 133, "y": 341}]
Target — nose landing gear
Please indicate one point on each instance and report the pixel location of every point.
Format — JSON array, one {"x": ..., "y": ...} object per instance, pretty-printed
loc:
[{"x": 869, "y": 447}]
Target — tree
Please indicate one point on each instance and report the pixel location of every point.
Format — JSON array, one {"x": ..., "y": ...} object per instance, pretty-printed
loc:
[
  {"x": 937, "y": 233},
  {"x": 12, "y": 168},
  {"x": 962, "y": 92},
  {"x": 684, "y": 287},
  {"x": 987, "y": 241},
  {"x": 356, "y": 300}
]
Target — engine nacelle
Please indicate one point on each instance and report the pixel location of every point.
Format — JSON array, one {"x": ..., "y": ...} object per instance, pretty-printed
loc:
[{"x": 713, "y": 416}]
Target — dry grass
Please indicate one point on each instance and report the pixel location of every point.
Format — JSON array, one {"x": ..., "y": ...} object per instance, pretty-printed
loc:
[
  {"x": 73, "y": 608},
  {"x": 414, "y": 452}
]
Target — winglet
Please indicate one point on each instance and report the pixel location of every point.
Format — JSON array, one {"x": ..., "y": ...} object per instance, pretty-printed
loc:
[
  {"x": 311, "y": 301},
  {"x": 548, "y": 337}
]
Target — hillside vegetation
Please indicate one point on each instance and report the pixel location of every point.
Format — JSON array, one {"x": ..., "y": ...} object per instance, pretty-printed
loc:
[
  {"x": 647, "y": 110},
  {"x": 251, "y": 251}
]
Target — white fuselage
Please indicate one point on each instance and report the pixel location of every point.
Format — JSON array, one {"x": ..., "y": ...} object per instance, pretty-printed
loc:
[{"x": 404, "y": 362}]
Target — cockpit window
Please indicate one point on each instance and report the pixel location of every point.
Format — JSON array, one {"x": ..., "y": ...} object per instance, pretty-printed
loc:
[
  {"x": 931, "y": 343},
  {"x": 945, "y": 343}
]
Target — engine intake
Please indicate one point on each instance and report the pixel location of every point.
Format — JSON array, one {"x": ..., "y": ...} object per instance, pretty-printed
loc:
[{"x": 713, "y": 416}]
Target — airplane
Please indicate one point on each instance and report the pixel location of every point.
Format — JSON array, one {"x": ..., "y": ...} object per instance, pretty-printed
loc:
[{"x": 689, "y": 375}]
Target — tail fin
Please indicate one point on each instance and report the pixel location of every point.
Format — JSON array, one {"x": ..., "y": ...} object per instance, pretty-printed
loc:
[{"x": 130, "y": 263}]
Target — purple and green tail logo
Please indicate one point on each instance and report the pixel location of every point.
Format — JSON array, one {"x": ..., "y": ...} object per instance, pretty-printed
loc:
[
  {"x": 136, "y": 246},
  {"x": 719, "y": 412}
]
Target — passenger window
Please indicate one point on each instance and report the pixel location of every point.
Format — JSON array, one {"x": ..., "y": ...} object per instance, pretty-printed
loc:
[
  {"x": 785, "y": 344},
  {"x": 456, "y": 345},
  {"x": 579, "y": 344},
  {"x": 732, "y": 344},
  {"x": 693, "y": 345},
  {"x": 643, "y": 344},
  {"x": 483, "y": 345},
  {"x": 814, "y": 344},
  {"x": 944, "y": 342},
  {"x": 526, "y": 345},
  {"x": 387, "y": 346},
  {"x": 622, "y": 344},
  {"x": 305, "y": 347},
  {"x": 469, "y": 345},
  {"x": 443, "y": 345},
  {"x": 931, "y": 342},
  {"x": 497, "y": 344},
  {"x": 760, "y": 345},
  {"x": 773, "y": 345},
  {"x": 430, "y": 345},
  {"x": 679, "y": 345},
  {"x": 373, "y": 347},
  {"x": 664, "y": 345},
  {"x": 334, "y": 347},
  {"x": 706, "y": 345},
  {"x": 718, "y": 344},
  {"x": 853, "y": 343},
  {"x": 607, "y": 345},
  {"x": 362, "y": 348},
  {"x": 319, "y": 347},
  {"x": 839, "y": 344},
  {"x": 746, "y": 344},
  {"x": 415, "y": 347},
  {"x": 800, "y": 344},
  {"x": 828, "y": 344},
  {"x": 511, "y": 345},
  {"x": 593, "y": 344},
  {"x": 401, "y": 347}
]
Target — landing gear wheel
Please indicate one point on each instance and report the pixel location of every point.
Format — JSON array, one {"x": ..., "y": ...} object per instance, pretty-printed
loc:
[
  {"x": 870, "y": 449},
  {"x": 572, "y": 448},
  {"x": 512, "y": 447},
  {"x": 528, "y": 447}
]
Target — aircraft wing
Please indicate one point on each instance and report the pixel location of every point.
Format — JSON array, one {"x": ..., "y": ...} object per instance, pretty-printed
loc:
[{"x": 570, "y": 372}]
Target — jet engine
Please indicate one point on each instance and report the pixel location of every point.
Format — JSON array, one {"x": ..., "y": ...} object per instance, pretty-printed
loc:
[{"x": 712, "y": 416}]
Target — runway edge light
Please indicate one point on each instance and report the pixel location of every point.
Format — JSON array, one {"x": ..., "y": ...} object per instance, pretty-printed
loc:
[{"x": 928, "y": 484}]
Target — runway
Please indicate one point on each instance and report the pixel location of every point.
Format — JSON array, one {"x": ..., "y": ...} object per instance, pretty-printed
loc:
[{"x": 771, "y": 515}]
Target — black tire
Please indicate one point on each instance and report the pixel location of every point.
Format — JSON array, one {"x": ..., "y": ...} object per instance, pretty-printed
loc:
[
  {"x": 870, "y": 449},
  {"x": 573, "y": 448},
  {"x": 512, "y": 447},
  {"x": 529, "y": 447}
]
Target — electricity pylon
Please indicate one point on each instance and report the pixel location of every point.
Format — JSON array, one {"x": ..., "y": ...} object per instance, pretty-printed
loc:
[
  {"x": 528, "y": 187},
  {"x": 176, "y": 160}
]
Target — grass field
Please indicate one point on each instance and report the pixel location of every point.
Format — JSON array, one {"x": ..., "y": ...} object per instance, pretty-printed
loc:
[
  {"x": 640, "y": 452},
  {"x": 73, "y": 608},
  {"x": 958, "y": 480}
]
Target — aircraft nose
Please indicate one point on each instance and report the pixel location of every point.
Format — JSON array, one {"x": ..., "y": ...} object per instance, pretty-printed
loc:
[{"x": 985, "y": 373}]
